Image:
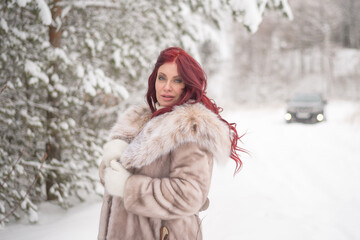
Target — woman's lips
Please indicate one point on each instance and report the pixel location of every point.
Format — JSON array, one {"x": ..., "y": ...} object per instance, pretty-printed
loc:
[{"x": 167, "y": 98}]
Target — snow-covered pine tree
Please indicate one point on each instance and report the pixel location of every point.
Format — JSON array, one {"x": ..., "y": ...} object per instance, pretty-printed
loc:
[
  {"x": 21, "y": 129},
  {"x": 47, "y": 106}
]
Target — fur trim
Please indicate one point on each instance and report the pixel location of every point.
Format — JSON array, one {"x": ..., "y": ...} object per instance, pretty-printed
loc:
[
  {"x": 115, "y": 179},
  {"x": 130, "y": 123},
  {"x": 113, "y": 150},
  {"x": 186, "y": 123}
]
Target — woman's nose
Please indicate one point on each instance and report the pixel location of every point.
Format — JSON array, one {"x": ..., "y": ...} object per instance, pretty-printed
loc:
[{"x": 167, "y": 85}]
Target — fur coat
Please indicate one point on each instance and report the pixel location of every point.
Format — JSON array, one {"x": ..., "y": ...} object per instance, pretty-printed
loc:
[{"x": 171, "y": 158}]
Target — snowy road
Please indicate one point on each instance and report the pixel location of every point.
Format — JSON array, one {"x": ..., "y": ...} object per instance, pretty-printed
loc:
[{"x": 301, "y": 182}]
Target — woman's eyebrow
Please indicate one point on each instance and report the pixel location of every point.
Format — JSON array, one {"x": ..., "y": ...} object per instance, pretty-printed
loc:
[{"x": 175, "y": 77}]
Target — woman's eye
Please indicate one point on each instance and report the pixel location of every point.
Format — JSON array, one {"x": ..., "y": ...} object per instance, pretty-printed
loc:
[
  {"x": 178, "y": 80},
  {"x": 161, "y": 78}
]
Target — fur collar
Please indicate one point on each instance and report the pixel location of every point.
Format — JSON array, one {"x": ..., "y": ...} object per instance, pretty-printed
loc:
[
  {"x": 151, "y": 138},
  {"x": 130, "y": 123}
]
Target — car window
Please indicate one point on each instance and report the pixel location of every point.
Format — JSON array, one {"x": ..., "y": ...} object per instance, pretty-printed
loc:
[{"x": 306, "y": 98}]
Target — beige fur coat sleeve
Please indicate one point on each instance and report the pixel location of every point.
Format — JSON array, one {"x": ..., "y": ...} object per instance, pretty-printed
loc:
[{"x": 180, "y": 194}]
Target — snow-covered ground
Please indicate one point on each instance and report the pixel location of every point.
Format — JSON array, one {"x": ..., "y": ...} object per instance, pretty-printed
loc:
[{"x": 301, "y": 181}]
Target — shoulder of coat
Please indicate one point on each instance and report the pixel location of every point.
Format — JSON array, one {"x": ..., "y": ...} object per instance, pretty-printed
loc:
[
  {"x": 191, "y": 123},
  {"x": 186, "y": 123},
  {"x": 197, "y": 117}
]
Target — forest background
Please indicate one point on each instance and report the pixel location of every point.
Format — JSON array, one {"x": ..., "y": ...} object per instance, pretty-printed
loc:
[{"x": 68, "y": 68}]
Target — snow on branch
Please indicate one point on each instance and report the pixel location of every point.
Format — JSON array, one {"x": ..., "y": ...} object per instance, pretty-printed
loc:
[
  {"x": 45, "y": 13},
  {"x": 22, "y": 3},
  {"x": 3, "y": 25},
  {"x": 250, "y": 12},
  {"x": 12, "y": 169},
  {"x": 44, "y": 10},
  {"x": 29, "y": 188},
  {"x": 33, "y": 69},
  {"x": 44, "y": 107},
  {"x": 85, "y": 4}
]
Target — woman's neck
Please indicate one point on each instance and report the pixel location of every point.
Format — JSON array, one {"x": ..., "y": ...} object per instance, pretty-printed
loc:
[{"x": 158, "y": 106}]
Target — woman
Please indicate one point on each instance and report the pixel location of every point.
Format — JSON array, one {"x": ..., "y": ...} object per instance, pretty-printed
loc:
[{"x": 157, "y": 167}]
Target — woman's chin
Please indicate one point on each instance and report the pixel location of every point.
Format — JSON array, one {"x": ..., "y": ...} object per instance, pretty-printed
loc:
[{"x": 166, "y": 103}]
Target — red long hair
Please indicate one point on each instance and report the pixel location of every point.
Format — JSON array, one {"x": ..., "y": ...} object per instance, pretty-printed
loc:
[{"x": 195, "y": 81}]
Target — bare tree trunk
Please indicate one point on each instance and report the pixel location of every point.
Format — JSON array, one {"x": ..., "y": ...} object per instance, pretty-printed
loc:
[
  {"x": 53, "y": 151},
  {"x": 329, "y": 66},
  {"x": 326, "y": 59},
  {"x": 351, "y": 23},
  {"x": 55, "y": 31}
]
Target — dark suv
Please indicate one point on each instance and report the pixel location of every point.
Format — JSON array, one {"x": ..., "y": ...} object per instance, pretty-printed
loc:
[{"x": 305, "y": 107}]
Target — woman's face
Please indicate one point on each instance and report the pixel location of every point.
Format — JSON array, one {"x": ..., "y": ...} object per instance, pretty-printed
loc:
[{"x": 168, "y": 86}]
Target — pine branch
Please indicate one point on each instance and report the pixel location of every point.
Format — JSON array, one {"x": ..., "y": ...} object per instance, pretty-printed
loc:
[
  {"x": 51, "y": 168},
  {"x": 27, "y": 192},
  {"x": 93, "y": 4},
  {"x": 3, "y": 89},
  {"x": 13, "y": 168}
]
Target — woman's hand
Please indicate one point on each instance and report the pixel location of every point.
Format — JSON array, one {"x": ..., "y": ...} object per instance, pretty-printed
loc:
[
  {"x": 112, "y": 150},
  {"x": 115, "y": 178}
]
